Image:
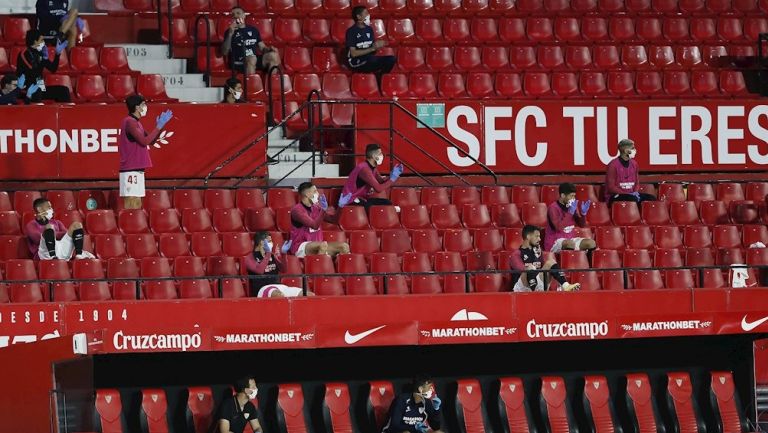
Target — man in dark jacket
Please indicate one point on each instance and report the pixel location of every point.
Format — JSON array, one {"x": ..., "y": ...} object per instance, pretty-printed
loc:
[
  {"x": 31, "y": 62},
  {"x": 417, "y": 411}
]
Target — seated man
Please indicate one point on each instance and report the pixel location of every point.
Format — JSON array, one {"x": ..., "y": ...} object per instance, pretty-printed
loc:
[
  {"x": 264, "y": 265},
  {"x": 529, "y": 262},
  {"x": 417, "y": 411},
  {"x": 307, "y": 218},
  {"x": 11, "y": 89},
  {"x": 56, "y": 21},
  {"x": 622, "y": 180},
  {"x": 562, "y": 217},
  {"x": 241, "y": 44},
  {"x": 365, "y": 180},
  {"x": 361, "y": 46},
  {"x": 48, "y": 238},
  {"x": 233, "y": 91},
  {"x": 31, "y": 62},
  {"x": 238, "y": 410}
]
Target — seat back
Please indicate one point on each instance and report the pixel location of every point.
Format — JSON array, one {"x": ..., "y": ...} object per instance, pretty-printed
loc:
[
  {"x": 554, "y": 406},
  {"x": 683, "y": 410},
  {"x": 336, "y": 410},
  {"x": 640, "y": 405},
  {"x": 109, "y": 411},
  {"x": 598, "y": 405},
  {"x": 199, "y": 410},
  {"x": 513, "y": 407},
  {"x": 380, "y": 398},
  {"x": 725, "y": 403},
  {"x": 154, "y": 408},
  {"x": 470, "y": 410},
  {"x": 290, "y": 409}
]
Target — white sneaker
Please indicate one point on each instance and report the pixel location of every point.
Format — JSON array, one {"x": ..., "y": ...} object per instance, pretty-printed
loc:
[
  {"x": 568, "y": 287},
  {"x": 85, "y": 255}
]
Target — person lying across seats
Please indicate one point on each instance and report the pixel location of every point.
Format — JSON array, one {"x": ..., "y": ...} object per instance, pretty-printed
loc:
[
  {"x": 563, "y": 215},
  {"x": 417, "y": 411},
  {"x": 531, "y": 263},
  {"x": 49, "y": 239},
  {"x": 56, "y": 21},
  {"x": 264, "y": 265},
  {"x": 307, "y": 218},
  {"x": 365, "y": 180},
  {"x": 622, "y": 179},
  {"x": 238, "y": 410},
  {"x": 31, "y": 62}
]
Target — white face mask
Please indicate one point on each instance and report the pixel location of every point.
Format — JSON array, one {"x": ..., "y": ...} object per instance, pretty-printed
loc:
[
  {"x": 632, "y": 153},
  {"x": 379, "y": 159},
  {"x": 570, "y": 202},
  {"x": 237, "y": 95},
  {"x": 49, "y": 213},
  {"x": 40, "y": 46},
  {"x": 143, "y": 111},
  {"x": 367, "y": 20},
  {"x": 315, "y": 198},
  {"x": 270, "y": 245},
  {"x": 428, "y": 394},
  {"x": 253, "y": 393}
]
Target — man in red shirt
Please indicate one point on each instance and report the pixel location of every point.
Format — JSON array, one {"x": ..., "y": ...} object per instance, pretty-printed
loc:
[
  {"x": 365, "y": 180},
  {"x": 49, "y": 239},
  {"x": 307, "y": 218},
  {"x": 133, "y": 146},
  {"x": 622, "y": 179}
]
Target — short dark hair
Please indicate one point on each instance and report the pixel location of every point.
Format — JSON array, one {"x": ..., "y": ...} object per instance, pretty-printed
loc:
[
  {"x": 567, "y": 188},
  {"x": 357, "y": 10},
  {"x": 419, "y": 381},
  {"x": 32, "y": 36},
  {"x": 242, "y": 383},
  {"x": 626, "y": 143},
  {"x": 231, "y": 83},
  {"x": 237, "y": 7},
  {"x": 39, "y": 202},
  {"x": 259, "y": 237},
  {"x": 305, "y": 186},
  {"x": 529, "y": 230},
  {"x": 8, "y": 79},
  {"x": 132, "y": 102},
  {"x": 371, "y": 149}
]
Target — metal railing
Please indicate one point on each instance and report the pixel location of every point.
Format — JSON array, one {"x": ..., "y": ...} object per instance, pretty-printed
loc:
[{"x": 195, "y": 37}]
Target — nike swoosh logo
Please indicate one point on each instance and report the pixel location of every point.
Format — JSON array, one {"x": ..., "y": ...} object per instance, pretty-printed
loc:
[
  {"x": 354, "y": 338},
  {"x": 748, "y": 326}
]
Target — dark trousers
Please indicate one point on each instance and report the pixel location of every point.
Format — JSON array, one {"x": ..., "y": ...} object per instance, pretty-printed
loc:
[
  {"x": 373, "y": 202},
  {"x": 377, "y": 65},
  {"x": 630, "y": 197},
  {"x": 52, "y": 93}
]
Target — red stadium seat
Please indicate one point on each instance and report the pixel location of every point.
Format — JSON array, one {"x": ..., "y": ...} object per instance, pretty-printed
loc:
[
  {"x": 512, "y": 29},
  {"x": 714, "y": 212},
  {"x": 451, "y": 86},
  {"x": 365, "y": 86},
  {"x": 353, "y": 218},
  {"x": 327, "y": 285},
  {"x": 109, "y": 410},
  {"x": 514, "y": 408},
  {"x": 426, "y": 285},
  {"x": 649, "y": 83},
  {"x": 484, "y": 29},
  {"x": 508, "y": 85},
  {"x": 382, "y": 217},
  {"x": 445, "y": 216},
  {"x": 237, "y": 244},
  {"x": 522, "y": 57},
  {"x": 688, "y": 56},
  {"x": 120, "y": 86},
  {"x": 426, "y": 241},
  {"x": 91, "y": 88},
  {"x": 199, "y": 288},
  {"x": 655, "y": 213},
  {"x": 705, "y": 83},
  {"x": 621, "y": 83},
  {"x": 395, "y": 85},
  {"x": 684, "y": 213},
  {"x": 732, "y": 83},
  {"x": 57, "y": 270},
  {"x": 85, "y": 59},
  {"x": 639, "y": 237},
  {"x": 140, "y": 246},
  {"x": 534, "y": 214},
  {"x": 578, "y": 56},
  {"x": 648, "y": 28},
  {"x": 668, "y": 258},
  {"x": 101, "y": 222},
  {"x": 625, "y": 213},
  {"x": 22, "y": 200},
  {"x": 593, "y": 83},
  {"x": 726, "y": 236},
  {"x": 5, "y": 202},
  {"x": 422, "y": 85},
  {"x": 634, "y": 56},
  {"x": 121, "y": 267},
  {"x": 470, "y": 409},
  {"x": 108, "y": 246},
  {"x": 488, "y": 240},
  {"x": 420, "y": 6},
  {"x": 15, "y": 30},
  {"x": 699, "y": 257},
  {"x": 158, "y": 268},
  {"x": 753, "y": 233},
  {"x": 574, "y": 260},
  {"x": 698, "y": 237},
  {"x": 495, "y": 58},
  {"x": 729, "y": 191},
  {"x": 459, "y": 240},
  {"x": 467, "y": 58},
  {"x": 132, "y": 221},
  {"x": 703, "y": 29},
  {"x": 648, "y": 280},
  {"x": 206, "y": 244},
  {"x": 415, "y": 217},
  {"x": 410, "y": 58},
  {"x": 567, "y": 28},
  {"x": 9, "y": 223},
  {"x": 196, "y": 220},
  {"x": 450, "y": 261},
  {"x": 91, "y": 269},
  {"x": 609, "y": 237},
  {"x": 456, "y": 29},
  {"x": 389, "y": 263},
  {"x": 668, "y": 237},
  {"x": 22, "y": 270},
  {"x": 227, "y": 220},
  {"x": 730, "y": 28},
  {"x": 363, "y": 242},
  {"x": 555, "y": 407},
  {"x": 682, "y": 406},
  {"x": 565, "y": 84},
  {"x": 675, "y": 28},
  {"x": 401, "y": 30},
  {"x": 164, "y": 221},
  {"x": 607, "y": 56},
  {"x": 698, "y": 192},
  {"x": 677, "y": 83},
  {"x": 539, "y": 29},
  {"x": 476, "y": 216},
  {"x": 512, "y": 238},
  {"x": 429, "y": 29},
  {"x": 599, "y": 214},
  {"x": 395, "y": 241},
  {"x": 594, "y": 28}
]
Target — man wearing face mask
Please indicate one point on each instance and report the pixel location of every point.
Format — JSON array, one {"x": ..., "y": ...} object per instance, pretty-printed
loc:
[
  {"x": 532, "y": 265},
  {"x": 238, "y": 411},
  {"x": 417, "y": 411},
  {"x": 622, "y": 180},
  {"x": 31, "y": 62},
  {"x": 11, "y": 88},
  {"x": 563, "y": 216},
  {"x": 365, "y": 180},
  {"x": 264, "y": 265},
  {"x": 233, "y": 91},
  {"x": 241, "y": 44},
  {"x": 307, "y": 218},
  {"x": 133, "y": 146},
  {"x": 49, "y": 239},
  {"x": 362, "y": 45}
]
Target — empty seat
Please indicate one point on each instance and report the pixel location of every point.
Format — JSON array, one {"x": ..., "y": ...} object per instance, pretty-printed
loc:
[
  {"x": 598, "y": 404},
  {"x": 196, "y": 220},
  {"x": 683, "y": 408},
  {"x": 109, "y": 416},
  {"x": 641, "y": 405},
  {"x": 153, "y": 414},
  {"x": 457, "y": 240},
  {"x": 164, "y": 221},
  {"x": 227, "y": 220},
  {"x": 427, "y": 241},
  {"x": 555, "y": 407},
  {"x": 140, "y": 246},
  {"x": 668, "y": 237},
  {"x": 57, "y": 270},
  {"x": 395, "y": 241},
  {"x": 609, "y": 237},
  {"x": 151, "y": 86},
  {"x": 206, "y": 244},
  {"x": 101, "y": 222},
  {"x": 513, "y": 406},
  {"x": 655, "y": 213},
  {"x": 91, "y": 269},
  {"x": 133, "y": 221},
  {"x": 625, "y": 213},
  {"x": 187, "y": 199},
  {"x": 714, "y": 212}
]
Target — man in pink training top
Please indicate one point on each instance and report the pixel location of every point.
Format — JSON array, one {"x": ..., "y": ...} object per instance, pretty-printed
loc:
[
  {"x": 49, "y": 239},
  {"x": 307, "y": 218},
  {"x": 365, "y": 180},
  {"x": 133, "y": 146},
  {"x": 622, "y": 180},
  {"x": 562, "y": 217}
]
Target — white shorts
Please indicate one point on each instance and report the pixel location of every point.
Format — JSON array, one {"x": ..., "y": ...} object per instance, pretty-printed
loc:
[
  {"x": 522, "y": 286},
  {"x": 132, "y": 184},
  {"x": 302, "y": 251},
  {"x": 64, "y": 249},
  {"x": 558, "y": 245},
  {"x": 287, "y": 291}
]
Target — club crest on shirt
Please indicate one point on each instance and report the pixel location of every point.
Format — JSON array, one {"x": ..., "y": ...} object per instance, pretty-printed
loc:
[
  {"x": 421, "y": 409},
  {"x": 246, "y": 415},
  {"x": 368, "y": 35}
]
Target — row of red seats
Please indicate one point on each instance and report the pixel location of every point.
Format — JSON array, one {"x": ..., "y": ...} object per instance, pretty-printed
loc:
[
  {"x": 448, "y": 7},
  {"x": 277, "y": 198},
  {"x": 95, "y": 60},
  {"x": 620, "y": 28},
  {"x": 13, "y": 30},
  {"x": 468, "y": 404}
]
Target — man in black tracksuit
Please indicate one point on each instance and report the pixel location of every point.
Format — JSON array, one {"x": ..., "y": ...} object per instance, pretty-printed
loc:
[
  {"x": 417, "y": 411},
  {"x": 33, "y": 60}
]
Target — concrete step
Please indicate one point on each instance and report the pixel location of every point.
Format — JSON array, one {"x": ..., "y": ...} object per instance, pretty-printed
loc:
[
  {"x": 17, "y": 6},
  {"x": 304, "y": 172},
  {"x": 202, "y": 95},
  {"x": 187, "y": 81},
  {"x": 163, "y": 67},
  {"x": 143, "y": 51}
]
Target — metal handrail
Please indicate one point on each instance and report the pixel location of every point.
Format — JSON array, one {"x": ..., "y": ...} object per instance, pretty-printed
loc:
[
  {"x": 170, "y": 27},
  {"x": 311, "y": 123},
  {"x": 269, "y": 92},
  {"x": 762, "y": 37},
  {"x": 207, "y": 73}
]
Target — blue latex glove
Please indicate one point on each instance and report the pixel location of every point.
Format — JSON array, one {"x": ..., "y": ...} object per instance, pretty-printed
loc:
[
  {"x": 636, "y": 195},
  {"x": 436, "y": 403},
  {"x": 572, "y": 207},
  {"x": 345, "y": 199},
  {"x": 323, "y": 202},
  {"x": 164, "y": 118},
  {"x": 32, "y": 89},
  {"x": 80, "y": 24},
  {"x": 20, "y": 82},
  {"x": 396, "y": 172},
  {"x": 44, "y": 52},
  {"x": 60, "y": 46},
  {"x": 585, "y": 206},
  {"x": 422, "y": 427},
  {"x": 286, "y": 247},
  {"x": 266, "y": 247}
]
